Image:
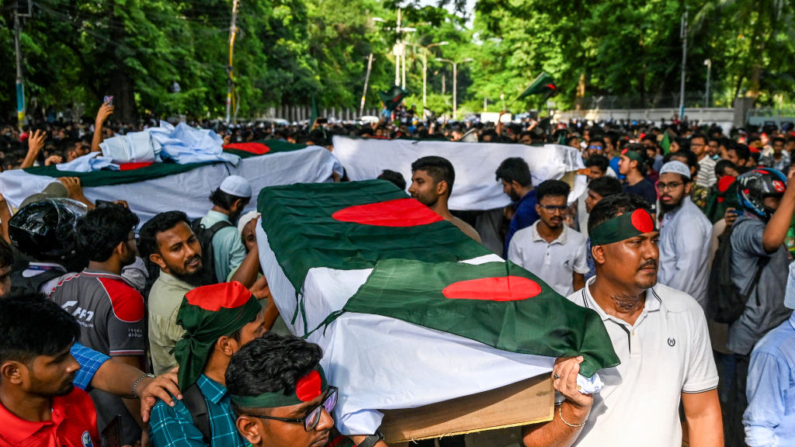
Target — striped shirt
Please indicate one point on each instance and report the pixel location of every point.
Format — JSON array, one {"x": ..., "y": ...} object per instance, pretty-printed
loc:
[{"x": 173, "y": 426}]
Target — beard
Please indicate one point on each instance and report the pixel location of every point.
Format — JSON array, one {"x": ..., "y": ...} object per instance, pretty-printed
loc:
[
  {"x": 201, "y": 277},
  {"x": 667, "y": 208},
  {"x": 38, "y": 387}
]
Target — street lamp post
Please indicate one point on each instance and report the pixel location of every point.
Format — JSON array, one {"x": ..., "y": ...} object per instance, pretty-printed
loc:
[
  {"x": 455, "y": 81},
  {"x": 708, "y": 63},
  {"x": 426, "y": 49}
]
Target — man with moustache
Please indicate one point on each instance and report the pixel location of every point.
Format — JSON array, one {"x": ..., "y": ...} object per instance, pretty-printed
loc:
[
  {"x": 517, "y": 183},
  {"x": 660, "y": 335},
  {"x": 39, "y": 406},
  {"x": 548, "y": 248},
  {"x": 685, "y": 235},
  {"x": 168, "y": 242}
]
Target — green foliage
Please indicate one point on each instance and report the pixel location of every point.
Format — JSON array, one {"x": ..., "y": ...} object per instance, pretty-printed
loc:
[{"x": 288, "y": 51}]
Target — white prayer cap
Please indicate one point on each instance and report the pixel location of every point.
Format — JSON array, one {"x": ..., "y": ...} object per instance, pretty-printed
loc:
[
  {"x": 237, "y": 186},
  {"x": 677, "y": 167},
  {"x": 245, "y": 219}
]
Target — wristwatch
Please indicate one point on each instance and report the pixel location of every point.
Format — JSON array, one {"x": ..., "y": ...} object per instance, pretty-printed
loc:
[
  {"x": 135, "y": 384},
  {"x": 372, "y": 440}
]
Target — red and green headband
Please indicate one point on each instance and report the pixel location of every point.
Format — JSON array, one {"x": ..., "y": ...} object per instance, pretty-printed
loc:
[
  {"x": 622, "y": 227},
  {"x": 632, "y": 155},
  {"x": 308, "y": 388}
]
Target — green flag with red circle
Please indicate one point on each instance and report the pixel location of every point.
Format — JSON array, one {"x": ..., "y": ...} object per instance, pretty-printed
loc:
[{"x": 498, "y": 304}]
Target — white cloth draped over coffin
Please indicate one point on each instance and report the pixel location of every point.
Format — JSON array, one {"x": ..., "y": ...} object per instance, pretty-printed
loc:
[{"x": 475, "y": 164}]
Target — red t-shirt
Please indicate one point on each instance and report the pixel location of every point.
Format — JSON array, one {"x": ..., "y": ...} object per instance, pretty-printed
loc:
[{"x": 73, "y": 424}]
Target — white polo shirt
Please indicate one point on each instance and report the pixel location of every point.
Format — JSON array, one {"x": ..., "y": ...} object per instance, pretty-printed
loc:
[
  {"x": 667, "y": 352},
  {"x": 556, "y": 262}
]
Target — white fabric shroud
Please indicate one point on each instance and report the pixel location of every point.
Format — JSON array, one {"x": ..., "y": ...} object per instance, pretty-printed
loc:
[
  {"x": 475, "y": 164},
  {"x": 381, "y": 363},
  {"x": 190, "y": 191}
]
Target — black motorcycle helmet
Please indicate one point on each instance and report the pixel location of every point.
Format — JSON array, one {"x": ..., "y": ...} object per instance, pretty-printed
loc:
[{"x": 45, "y": 230}]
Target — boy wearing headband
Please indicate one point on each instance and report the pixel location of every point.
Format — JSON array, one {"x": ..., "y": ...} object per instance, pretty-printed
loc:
[
  {"x": 218, "y": 321},
  {"x": 660, "y": 335},
  {"x": 281, "y": 397}
]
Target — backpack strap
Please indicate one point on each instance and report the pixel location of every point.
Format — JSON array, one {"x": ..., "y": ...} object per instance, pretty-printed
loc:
[{"x": 197, "y": 406}]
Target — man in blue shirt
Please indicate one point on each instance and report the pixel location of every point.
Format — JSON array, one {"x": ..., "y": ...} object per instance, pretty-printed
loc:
[
  {"x": 518, "y": 184},
  {"x": 769, "y": 419}
]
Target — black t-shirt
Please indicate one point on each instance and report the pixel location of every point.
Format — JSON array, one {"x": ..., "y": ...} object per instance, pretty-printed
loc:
[{"x": 645, "y": 189}]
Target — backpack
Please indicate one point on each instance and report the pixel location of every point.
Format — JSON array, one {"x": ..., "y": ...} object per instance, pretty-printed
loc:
[
  {"x": 20, "y": 284},
  {"x": 205, "y": 236},
  {"x": 726, "y": 303}
]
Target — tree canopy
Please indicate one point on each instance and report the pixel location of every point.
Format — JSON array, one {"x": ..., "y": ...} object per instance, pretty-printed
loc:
[{"x": 617, "y": 53}]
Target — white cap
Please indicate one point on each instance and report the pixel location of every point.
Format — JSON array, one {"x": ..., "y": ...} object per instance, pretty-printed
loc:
[
  {"x": 237, "y": 186},
  {"x": 245, "y": 219},
  {"x": 677, "y": 167}
]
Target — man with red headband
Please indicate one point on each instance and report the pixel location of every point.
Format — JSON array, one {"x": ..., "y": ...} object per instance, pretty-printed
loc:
[
  {"x": 660, "y": 335},
  {"x": 218, "y": 321},
  {"x": 281, "y": 397}
]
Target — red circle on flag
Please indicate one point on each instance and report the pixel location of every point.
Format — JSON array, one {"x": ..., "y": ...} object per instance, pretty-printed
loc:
[
  {"x": 642, "y": 222},
  {"x": 392, "y": 213},
  {"x": 308, "y": 387},
  {"x": 504, "y": 288},
  {"x": 725, "y": 182},
  {"x": 254, "y": 148}
]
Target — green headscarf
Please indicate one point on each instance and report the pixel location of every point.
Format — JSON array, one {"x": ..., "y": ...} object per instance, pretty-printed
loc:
[
  {"x": 208, "y": 313},
  {"x": 623, "y": 227}
]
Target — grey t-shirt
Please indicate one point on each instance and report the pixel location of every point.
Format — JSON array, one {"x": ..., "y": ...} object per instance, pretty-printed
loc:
[{"x": 757, "y": 319}]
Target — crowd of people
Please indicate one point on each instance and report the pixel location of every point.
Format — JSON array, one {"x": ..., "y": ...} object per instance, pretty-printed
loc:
[{"x": 166, "y": 333}]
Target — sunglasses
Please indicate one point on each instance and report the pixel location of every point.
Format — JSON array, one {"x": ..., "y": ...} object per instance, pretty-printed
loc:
[
  {"x": 595, "y": 147},
  {"x": 312, "y": 418}
]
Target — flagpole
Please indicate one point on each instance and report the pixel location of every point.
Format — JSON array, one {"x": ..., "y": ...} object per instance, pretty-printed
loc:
[
  {"x": 366, "y": 81},
  {"x": 684, "y": 66}
]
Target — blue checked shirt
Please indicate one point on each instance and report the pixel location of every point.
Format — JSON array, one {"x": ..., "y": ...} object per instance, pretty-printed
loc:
[
  {"x": 90, "y": 361},
  {"x": 173, "y": 426}
]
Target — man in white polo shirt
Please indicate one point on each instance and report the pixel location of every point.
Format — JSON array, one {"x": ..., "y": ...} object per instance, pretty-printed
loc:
[
  {"x": 548, "y": 248},
  {"x": 660, "y": 335}
]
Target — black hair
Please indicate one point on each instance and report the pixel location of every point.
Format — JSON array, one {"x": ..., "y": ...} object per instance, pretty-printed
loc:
[
  {"x": 598, "y": 140},
  {"x": 6, "y": 254},
  {"x": 225, "y": 200},
  {"x": 691, "y": 160},
  {"x": 721, "y": 166},
  {"x": 270, "y": 363},
  {"x": 395, "y": 177},
  {"x": 33, "y": 326},
  {"x": 515, "y": 169},
  {"x": 742, "y": 151},
  {"x": 700, "y": 135},
  {"x": 605, "y": 186},
  {"x": 158, "y": 224},
  {"x": 102, "y": 229},
  {"x": 438, "y": 168},
  {"x": 552, "y": 188},
  {"x": 778, "y": 139},
  {"x": 614, "y": 205},
  {"x": 598, "y": 160}
]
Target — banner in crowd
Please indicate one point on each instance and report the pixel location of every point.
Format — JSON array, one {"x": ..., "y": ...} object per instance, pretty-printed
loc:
[
  {"x": 476, "y": 187},
  {"x": 408, "y": 310},
  {"x": 158, "y": 187}
]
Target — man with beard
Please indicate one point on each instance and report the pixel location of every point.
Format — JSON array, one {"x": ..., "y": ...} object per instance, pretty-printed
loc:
[
  {"x": 39, "y": 405},
  {"x": 660, "y": 335},
  {"x": 108, "y": 308},
  {"x": 281, "y": 398},
  {"x": 228, "y": 251},
  {"x": 548, "y": 248},
  {"x": 685, "y": 235},
  {"x": 432, "y": 181},
  {"x": 518, "y": 185},
  {"x": 168, "y": 241}
]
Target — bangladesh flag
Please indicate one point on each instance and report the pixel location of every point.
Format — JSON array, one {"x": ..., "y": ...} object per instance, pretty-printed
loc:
[
  {"x": 392, "y": 97},
  {"x": 353, "y": 225},
  {"x": 498, "y": 304},
  {"x": 541, "y": 85}
]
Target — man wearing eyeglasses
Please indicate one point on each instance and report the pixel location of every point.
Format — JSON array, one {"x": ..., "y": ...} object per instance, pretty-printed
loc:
[
  {"x": 218, "y": 320},
  {"x": 281, "y": 397},
  {"x": 685, "y": 234},
  {"x": 549, "y": 249}
]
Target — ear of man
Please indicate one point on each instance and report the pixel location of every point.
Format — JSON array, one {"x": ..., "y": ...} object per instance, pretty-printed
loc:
[{"x": 249, "y": 429}]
